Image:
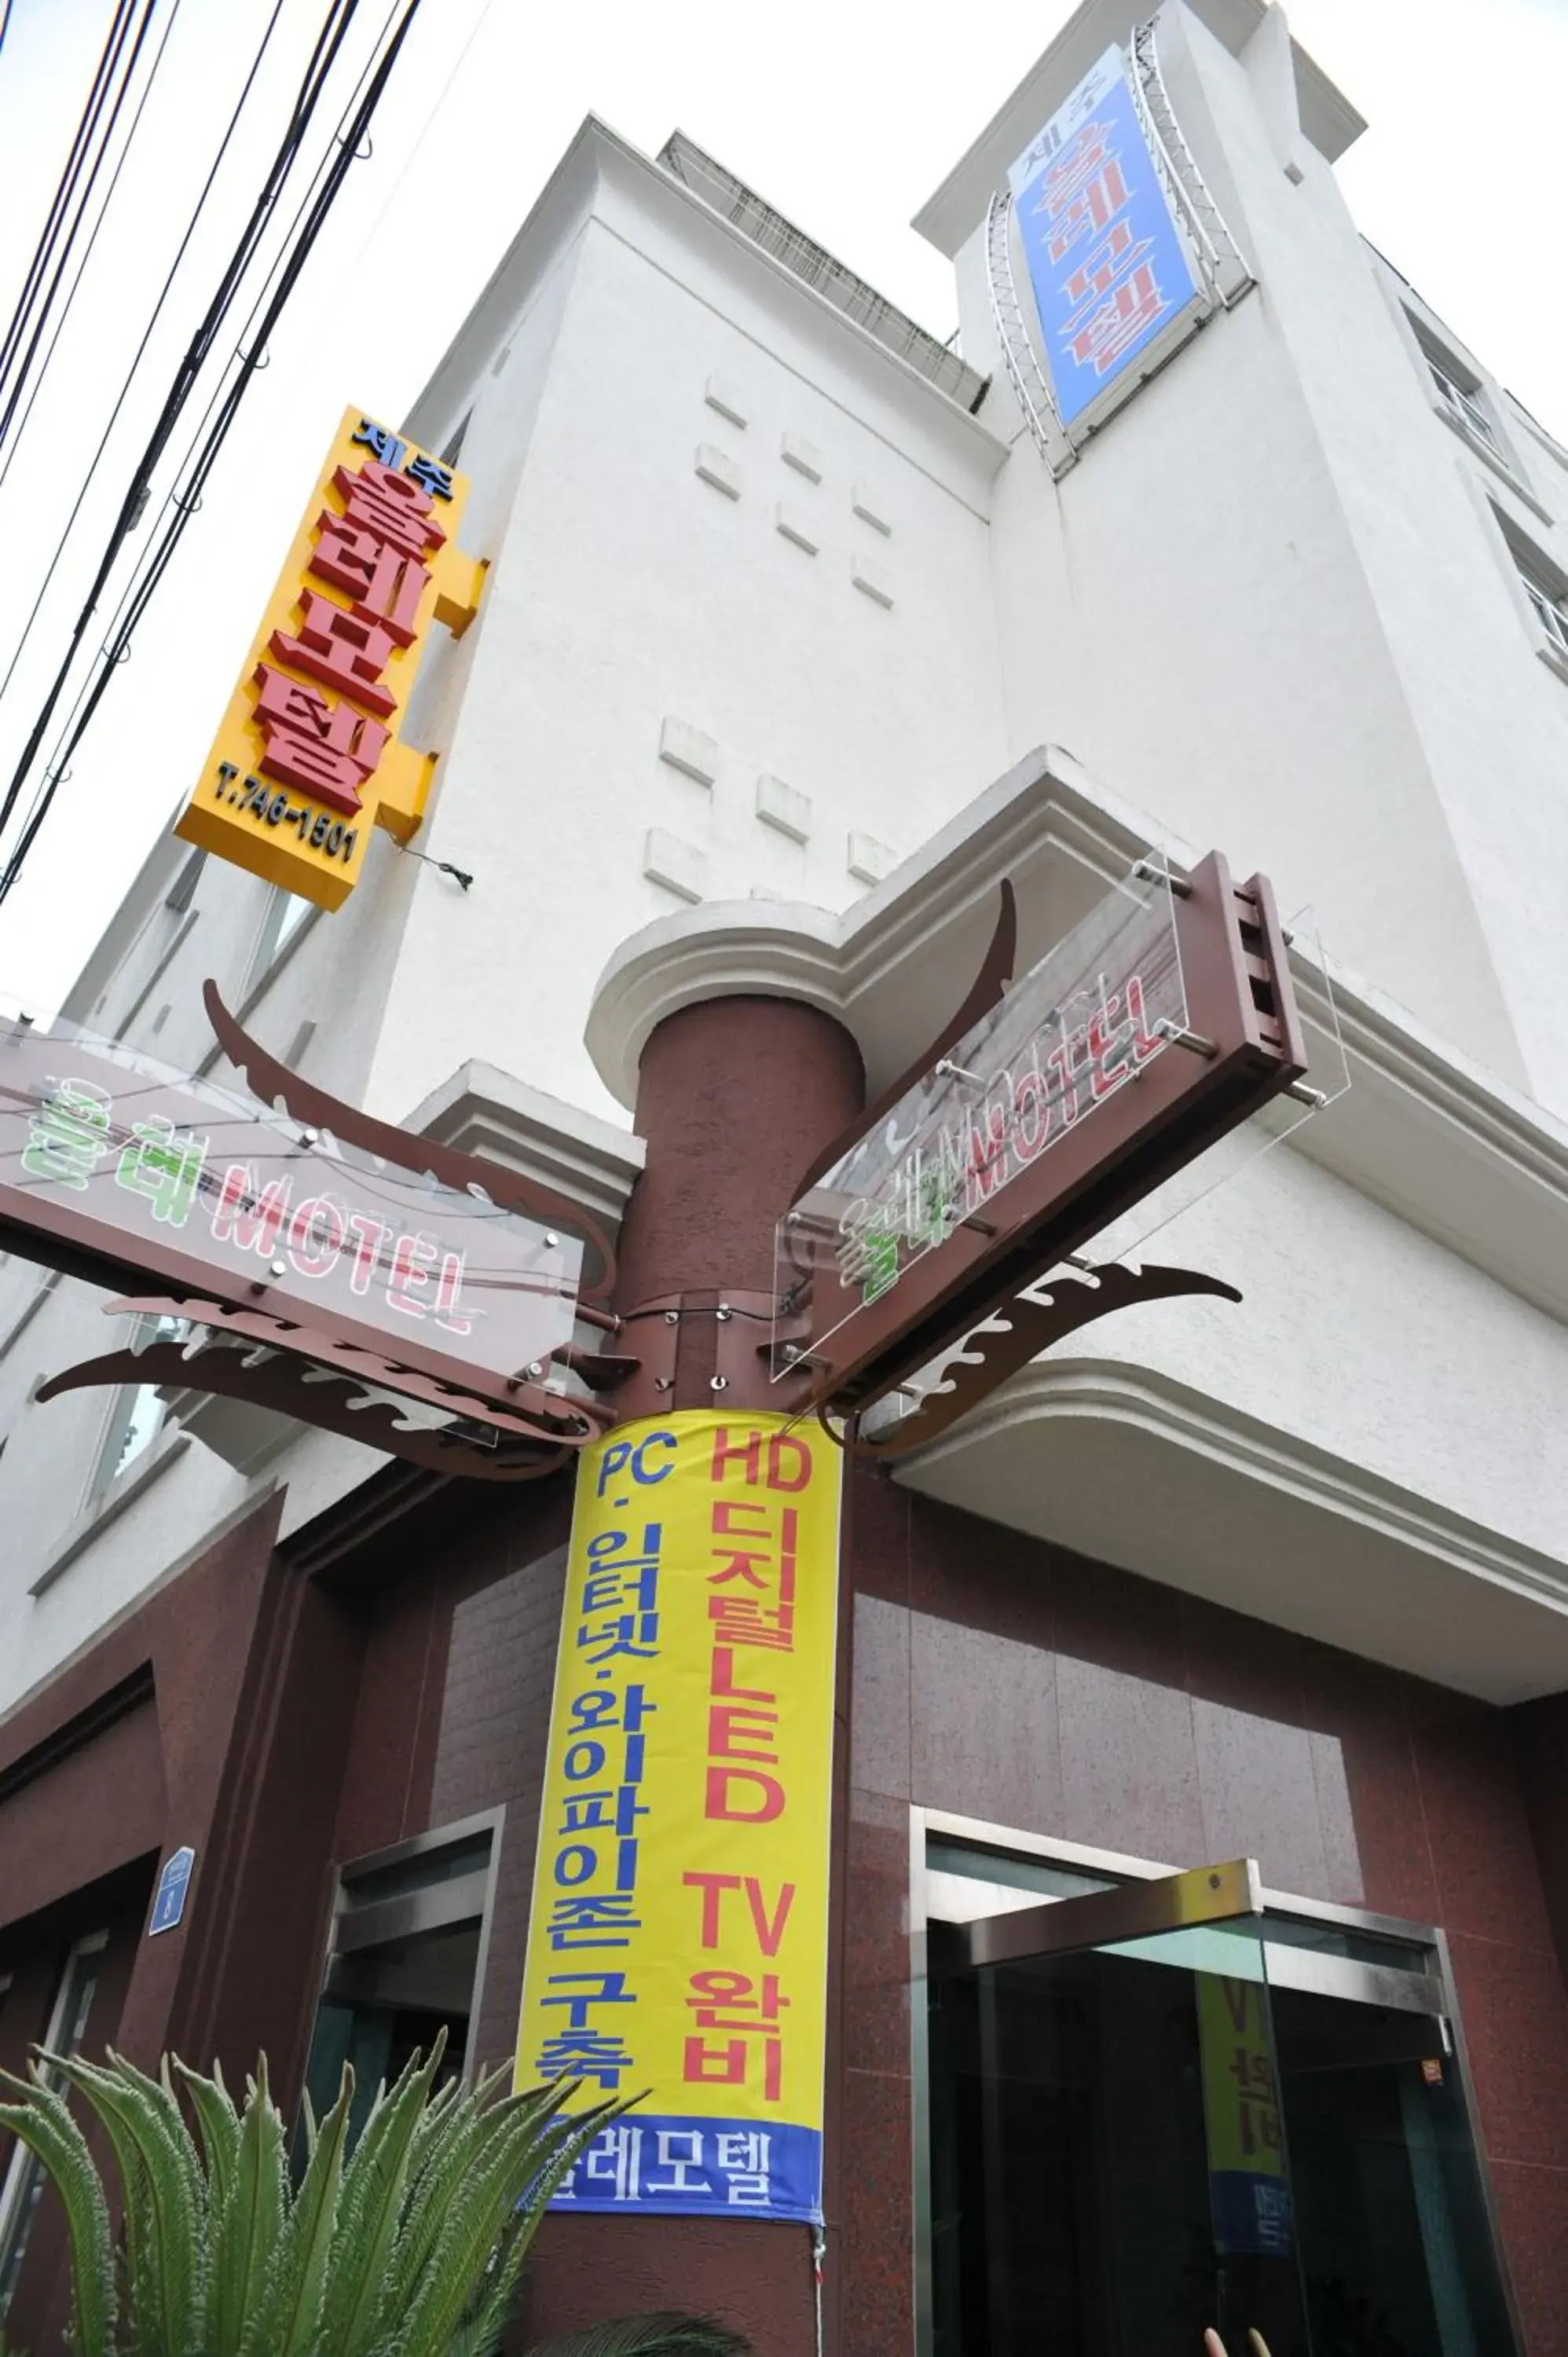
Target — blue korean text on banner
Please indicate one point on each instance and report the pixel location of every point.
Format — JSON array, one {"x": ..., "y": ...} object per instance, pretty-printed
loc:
[
  {"x": 169, "y": 1900},
  {"x": 1107, "y": 264}
]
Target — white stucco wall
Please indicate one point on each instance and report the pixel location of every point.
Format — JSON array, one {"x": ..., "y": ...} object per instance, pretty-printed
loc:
[
  {"x": 625, "y": 590},
  {"x": 1270, "y": 602},
  {"x": 1267, "y": 606}
]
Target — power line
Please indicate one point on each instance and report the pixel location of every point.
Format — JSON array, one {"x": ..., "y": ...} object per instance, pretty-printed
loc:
[
  {"x": 117, "y": 634},
  {"x": 38, "y": 383},
  {"x": 46, "y": 235},
  {"x": 323, "y": 56},
  {"x": 36, "y": 302},
  {"x": 172, "y": 500},
  {"x": 349, "y": 143},
  {"x": 141, "y": 348}
]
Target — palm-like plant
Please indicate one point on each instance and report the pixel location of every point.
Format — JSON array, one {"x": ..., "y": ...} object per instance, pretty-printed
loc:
[{"x": 409, "y": 2245}]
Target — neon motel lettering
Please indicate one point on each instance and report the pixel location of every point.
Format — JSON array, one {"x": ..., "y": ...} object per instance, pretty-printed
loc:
[
  {"x": 940, "y": 1181},
  {"x": 418, "y": 1275}
]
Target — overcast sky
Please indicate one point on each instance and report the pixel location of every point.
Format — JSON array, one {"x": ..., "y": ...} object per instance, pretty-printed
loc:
[{"x": 844, "y": 116}]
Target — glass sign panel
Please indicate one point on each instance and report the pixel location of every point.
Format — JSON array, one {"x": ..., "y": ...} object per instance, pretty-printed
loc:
[
  {"x": 1066, "y": 1038},
  {"x": 196, "y": 1187}
]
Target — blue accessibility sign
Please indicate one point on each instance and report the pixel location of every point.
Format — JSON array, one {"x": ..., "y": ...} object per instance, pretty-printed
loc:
[{"x": 169, "y": 1904}]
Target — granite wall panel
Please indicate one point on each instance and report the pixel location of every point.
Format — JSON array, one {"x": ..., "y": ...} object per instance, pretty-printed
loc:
[{"x": 1004, "y": 1679}]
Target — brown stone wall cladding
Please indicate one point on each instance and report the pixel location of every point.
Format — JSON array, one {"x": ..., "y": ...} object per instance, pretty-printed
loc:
[
  {"x": 281, "y": 1723},
  {"x": 452, "y": 1710},
  {"x": 495, "y": 1723},
  {"x": 135, "y": 1745},
  {"x": 34, "y": 1953},
  {"x": 1007, "y": 1679}
]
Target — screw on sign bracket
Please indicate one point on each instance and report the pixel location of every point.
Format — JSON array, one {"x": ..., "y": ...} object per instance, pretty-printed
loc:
[{"x": 652, "y": 1330}]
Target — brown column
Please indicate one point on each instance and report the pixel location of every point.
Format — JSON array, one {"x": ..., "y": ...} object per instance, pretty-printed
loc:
[{"x": 735, "y": 1098}]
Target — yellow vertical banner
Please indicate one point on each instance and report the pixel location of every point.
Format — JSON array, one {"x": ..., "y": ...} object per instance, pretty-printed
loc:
[
  {"x": 676, "y": 1945},
  {"x": 1248, "y": 2189}
]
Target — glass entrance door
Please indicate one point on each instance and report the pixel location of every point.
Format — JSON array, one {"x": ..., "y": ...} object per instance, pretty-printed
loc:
[{"x": 1157, "y": 2110}]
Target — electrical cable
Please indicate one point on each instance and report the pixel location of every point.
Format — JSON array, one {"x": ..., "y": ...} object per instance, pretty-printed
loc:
[
  {"x": 114, "y": 651},
  {"x": 46, "y": 235},
  {"x": 294, "y": 265},
  {"x": 116, "y": 645},
  {"x": 172, "y": 498},
  {"x": 323, "y": 57},
  {"x": 141, "y": 348},
  {"x": 38, "y": 383},
  {"x": 65, "y": 206},
  {"x": 5, "y": 22}
]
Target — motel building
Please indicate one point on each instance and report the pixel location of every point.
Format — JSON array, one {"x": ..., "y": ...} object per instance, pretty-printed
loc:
[{"x": 972, "y": 1084}]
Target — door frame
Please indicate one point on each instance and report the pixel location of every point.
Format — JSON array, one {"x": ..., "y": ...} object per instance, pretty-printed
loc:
[
  {"x": 456, "y": 1901},
  {"x": 1376, "y": 1985}
]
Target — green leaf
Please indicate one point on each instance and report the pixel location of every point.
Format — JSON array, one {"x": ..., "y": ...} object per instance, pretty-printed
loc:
[
  {"x": 410, "y": 2247},
  {"x": 44, "y": 2124},
  {"x": 435, "y": 2124},
  {"x": 667, "y": 2334},
  {"x": 497, "y": 2211},
  {"x": 310, "y": 2241},
  {"x": 219, "y": 2125},
  {"x": 361, "y": 2284},
  {"x": 469, "y": 2126},
  {"x": 249, "y": 2225},
  {"x": 161, "y": 2175}
]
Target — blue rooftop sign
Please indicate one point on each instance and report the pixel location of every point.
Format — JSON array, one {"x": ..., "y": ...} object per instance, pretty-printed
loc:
[{"x": 1107, "y": 264}]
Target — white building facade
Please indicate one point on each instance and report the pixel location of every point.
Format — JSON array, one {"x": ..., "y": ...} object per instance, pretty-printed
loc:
[{"x": 797, "y": 638}]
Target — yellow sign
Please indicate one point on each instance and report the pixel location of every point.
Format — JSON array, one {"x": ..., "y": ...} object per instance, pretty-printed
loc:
[
  {"x": 307, "y": 758},
  {"x": 1248, "y": 2193},
  {"x": 678, "y": 1941}
]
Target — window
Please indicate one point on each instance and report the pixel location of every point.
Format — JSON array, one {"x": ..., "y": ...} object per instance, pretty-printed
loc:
[
  {"x": 26, "y": 2176},
  {"x": 1463, "y": 405},
  {"x": 1458, "y": 390},
  {"x": 1551, "y": 611},
  {"x": 1545, "y": 588},
  {"x": 137, "y": 1416}
]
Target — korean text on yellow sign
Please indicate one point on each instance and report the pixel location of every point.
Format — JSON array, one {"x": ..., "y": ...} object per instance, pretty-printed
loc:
[
  {"x": 308, "y": 757},
  {"x": 678, "y": 1941},
  {"x": 1247, "y": 2189}
]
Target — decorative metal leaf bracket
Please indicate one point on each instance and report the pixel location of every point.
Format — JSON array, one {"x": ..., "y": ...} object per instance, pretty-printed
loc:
[{"x": 1013, "y": 1335}]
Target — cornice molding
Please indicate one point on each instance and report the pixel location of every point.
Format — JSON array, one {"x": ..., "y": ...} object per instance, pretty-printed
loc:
[
  {"x": 1117, "y": 1391},
  {"x": 955, "y": 210},
  {"x": 1122, "y": 1464},
  {"x": 483, "y": 1110},
  {"x": 600, "y": 160},
  {"x": 1424, "y": 1131}
]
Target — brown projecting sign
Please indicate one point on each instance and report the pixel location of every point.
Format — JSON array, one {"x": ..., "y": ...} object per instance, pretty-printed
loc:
[
  {"x": 333, "y": 1267},
  {"x": 1158, "y": 1024}
]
